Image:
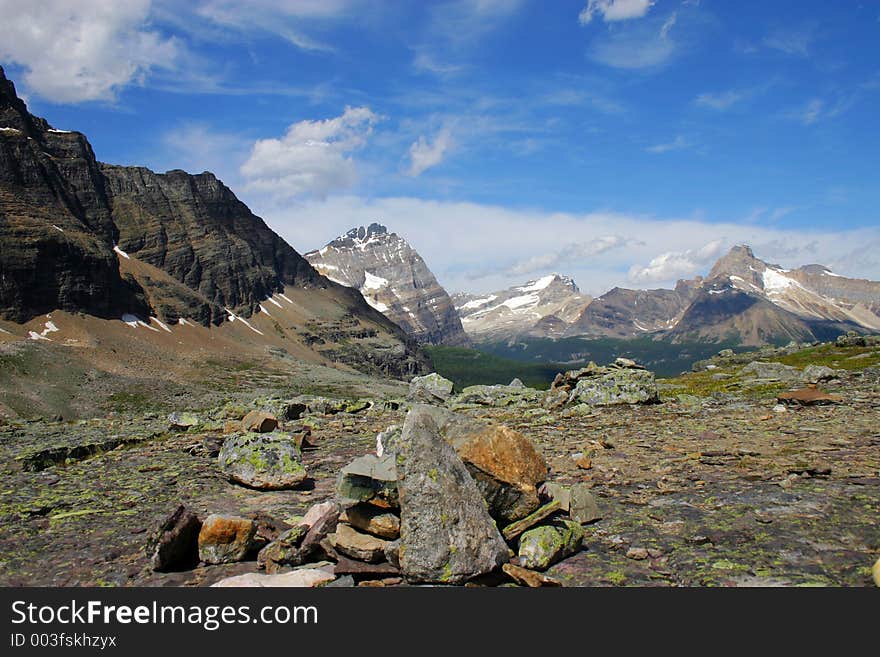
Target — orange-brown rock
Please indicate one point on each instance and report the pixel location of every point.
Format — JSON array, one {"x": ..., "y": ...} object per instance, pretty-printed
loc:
[
  {"x": 808, "y": 396},
  {"x": 527, "y": 577},
  {"x": 505, "y": 465},
  {"x": 259, "y": 422},
  {"x": 225, "y": 539}
]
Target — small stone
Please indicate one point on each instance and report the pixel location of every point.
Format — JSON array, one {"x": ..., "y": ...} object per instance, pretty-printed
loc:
[
  {"x": 182, "y": 421},
  {"x": 516, "y": 383},
  {"x": 369, "y": 479},
  {"x": 583, "y": 507},
  {"x": 541, "y": 547},
  {"x": 175, "y": 544},
  {"x": 259, "y": 422},
  {"x": 527, "y": 577},
  {"x": 375, "y": 521},
  {"x": 284, "y": 550},
  {"x": 226, "y": 539},
  {"x": 513, "y": 530},
  {"x": 779, "y": 408},
  {"x": 357, "y": 545},
  {"x": 818, "y": 373},
  {"x": 655, "y": 553},
  {"x": 584, "y": 463},
  {"x": 317, "y": 511},
  {"x": 637, "y": 553},
  {"x": 558, "y": 492},
  {"x": 392, "y": 553}
]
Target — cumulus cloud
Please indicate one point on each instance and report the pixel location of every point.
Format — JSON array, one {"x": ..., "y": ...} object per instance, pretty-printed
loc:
[
  {"x": 84, "y": 50},
  {"x": 313, "y": 157},
  {"x": 676, "y": 264},
  {"x": 424, "y": 155},
  {"x": 614, "y": 10}
]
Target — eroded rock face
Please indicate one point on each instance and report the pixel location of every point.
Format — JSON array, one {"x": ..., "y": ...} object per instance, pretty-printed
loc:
[
  {"x": 446, "y": 534},
  {"x": 393, "y": 279},
  {"x": 269, "y": 461}
]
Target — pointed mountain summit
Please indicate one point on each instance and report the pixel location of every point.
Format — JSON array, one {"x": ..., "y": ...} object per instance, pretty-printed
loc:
[{"x": 394, "y": 279}]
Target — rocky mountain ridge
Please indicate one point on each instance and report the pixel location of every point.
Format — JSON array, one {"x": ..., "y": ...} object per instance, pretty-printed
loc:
[
  {"x": 394, "y": 279},
  {"x": 540, "y": 308},
  {"x": 114, "y": 242}
]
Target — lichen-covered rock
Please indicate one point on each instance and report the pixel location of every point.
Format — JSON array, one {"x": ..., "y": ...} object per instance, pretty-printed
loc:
[
  {"x": 817, "y": 374},
  {"x": 541, "y": 547},
  {"x": 498, "y": 396},
  {"x": 618, "y": 386},
  {"x": 268, "y": 461},
  {"x": 182, "y": 421},
  {"x": 386, "y": 441},
  {"x": 175, "y": 544},
  {"x": 430, "y": 389},
  {"x": 371, "y": 479},
  {"x": 446, "y": 533},
  {"x": 771, "y": 371},
  {"x": 284, "y": 550},
  {"x": 226, "y": 539}
]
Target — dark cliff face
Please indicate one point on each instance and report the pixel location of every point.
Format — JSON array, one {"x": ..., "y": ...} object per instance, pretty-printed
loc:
[
  {"x": 56, "y": 229},
  {"x": 195, "y": 229}
]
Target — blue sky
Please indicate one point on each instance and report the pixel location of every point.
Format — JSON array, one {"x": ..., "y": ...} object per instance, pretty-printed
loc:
[{"x": 622, "y": 142}]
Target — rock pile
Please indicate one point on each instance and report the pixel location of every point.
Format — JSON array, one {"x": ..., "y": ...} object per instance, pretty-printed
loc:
[
  {"x": 450, "y": 501},
  {"x": 623, "y": 382}
]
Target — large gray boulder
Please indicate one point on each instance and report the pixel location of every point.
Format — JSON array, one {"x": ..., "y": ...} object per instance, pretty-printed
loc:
[
  {"x": 267, "y": 461},
  {"x": 446, "y": 534},
  {"x": 771, "y": 371},
  {"x": 499, "y": 396},
  {"x": 616, "y": 386},
  {"x": 430, "y": 389}
]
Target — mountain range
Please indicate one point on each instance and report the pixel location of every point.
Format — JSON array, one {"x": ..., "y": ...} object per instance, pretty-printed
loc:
[{"x": 166, "y": 252}]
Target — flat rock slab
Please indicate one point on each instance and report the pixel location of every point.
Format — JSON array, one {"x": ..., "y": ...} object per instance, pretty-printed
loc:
[
  {"x": 305, "y": 578},
  {"x": 259, "y": 422},
  {"x": 357, "y": 545},
  {"x": 373, "y": 520},
  {"x": 369, "y": 479},
  {"x": 809, "y": 396}
]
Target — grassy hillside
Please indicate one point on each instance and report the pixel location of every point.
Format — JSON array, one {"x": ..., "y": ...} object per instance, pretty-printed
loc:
[{"x": 466, "y": 367}]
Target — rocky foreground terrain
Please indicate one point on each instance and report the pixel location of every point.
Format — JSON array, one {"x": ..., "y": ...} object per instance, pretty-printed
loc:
[{"x": 760, "y": 468}]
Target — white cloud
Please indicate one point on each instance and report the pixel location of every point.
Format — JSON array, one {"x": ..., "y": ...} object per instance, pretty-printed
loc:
[
  {"x": 721, "y": 100},
  {"x": 792, "y": 41},
  {"x": 614, "y": 10},
  {"x": 677, "y": 264},
  {"x": 313, "y": 157},
  {"x": 485, "y": 247},
  {"x": 646, "y": 44},
  {"x": 677, "y": 144},
  {"x": 570, "y": 254},
  {"x": 294, "y": 20},
  {"x": 424, "y": 155},
  {"x": 812, "y": 112},
  {"x": 75, "y": 51}
]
